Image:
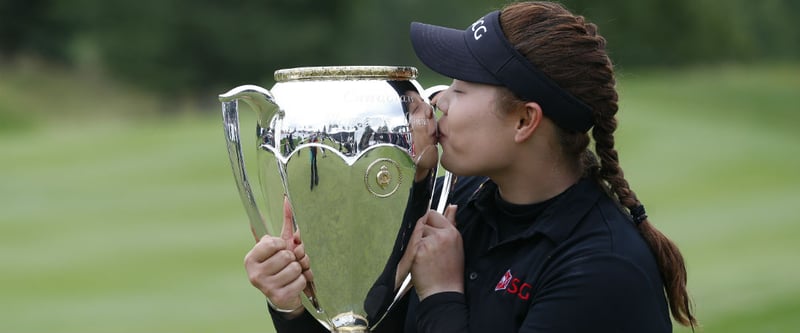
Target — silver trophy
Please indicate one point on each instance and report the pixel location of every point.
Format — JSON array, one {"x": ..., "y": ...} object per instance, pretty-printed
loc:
[{"x": 342, "y": 143}]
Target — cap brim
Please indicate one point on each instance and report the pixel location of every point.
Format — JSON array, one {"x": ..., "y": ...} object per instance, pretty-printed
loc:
[{"x": 445, "y": 52}]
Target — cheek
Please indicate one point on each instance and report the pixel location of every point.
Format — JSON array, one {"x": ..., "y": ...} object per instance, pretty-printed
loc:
[
  {"x": 474, "y": 150},
  {"x": 477, "y": 160},
  {"x": 475, "y": 139}
]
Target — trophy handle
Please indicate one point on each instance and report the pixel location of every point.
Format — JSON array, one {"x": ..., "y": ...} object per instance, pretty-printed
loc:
[
  {"x": 447, "y": 177},
  {"x": 447, "y": 183},
  {"x": 432, "y": 91},
  {"x": 260, "y": 100}
]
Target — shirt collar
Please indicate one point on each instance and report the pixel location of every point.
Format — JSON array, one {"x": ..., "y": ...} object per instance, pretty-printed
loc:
[{"x": 558, "y": 220}]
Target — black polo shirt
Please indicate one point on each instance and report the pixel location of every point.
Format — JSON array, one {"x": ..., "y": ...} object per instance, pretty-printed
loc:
[{"x": 578, "y": 265}]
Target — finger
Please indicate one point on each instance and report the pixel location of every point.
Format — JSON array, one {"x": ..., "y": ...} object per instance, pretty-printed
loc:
[
  {"x": 305, "y": 263},
  {"x": 287, "y": 275},
  {"x": 297, "y": 239},
  {"x": 278, "y": 263},
  {"x": 275, "y": 272},
  {"x": 437, "y": 220},
  {"x": 264, "y": 249},
  {"x": 450, "y": 214},
  {"x": 303, "y": 259},
  {"x": 309, "y": 275},
  {"x": 287, "y": 231},
  {"x": 418, "y": 233},
  {"x": 423, "y": 219},
  {"x": 286, "y": 289},
  {"x": 425, "y": 231},
  {"x": 422, "y": 228},
  {"x": 299, "y": 251}
]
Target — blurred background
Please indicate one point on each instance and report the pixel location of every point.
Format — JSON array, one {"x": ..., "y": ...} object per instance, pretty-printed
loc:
[{"x": 118, "y": 212}]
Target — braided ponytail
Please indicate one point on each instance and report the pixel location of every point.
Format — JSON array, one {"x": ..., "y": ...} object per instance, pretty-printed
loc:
[{"x": 569, "y": 50}]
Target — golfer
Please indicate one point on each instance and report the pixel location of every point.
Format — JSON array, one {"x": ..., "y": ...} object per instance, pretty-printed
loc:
[{"x": 554, "y": 239}]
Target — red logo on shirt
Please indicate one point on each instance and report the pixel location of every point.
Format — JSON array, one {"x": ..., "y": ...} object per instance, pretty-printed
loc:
[
  {"x": 514, "y": 286},
  {"x": 504, "y": 281}
]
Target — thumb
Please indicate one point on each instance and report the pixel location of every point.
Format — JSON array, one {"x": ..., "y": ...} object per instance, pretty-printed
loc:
[
  {"x": 287, "y": 231},
  {"x": 450, "y": 213}
]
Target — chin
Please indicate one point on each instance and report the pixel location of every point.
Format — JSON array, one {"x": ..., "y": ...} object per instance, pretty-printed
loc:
[
  {"x": 454, "y": 168},
  {"x": 463, "y": 167},
  {"x": 444, "y": 164}
]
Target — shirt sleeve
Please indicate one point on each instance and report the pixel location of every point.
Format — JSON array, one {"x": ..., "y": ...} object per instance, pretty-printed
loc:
[
  {"x": 598, "y": 293},
  {"x": 443, "y": 313},
  {"x": 394, "y": 321},
  {"x": 305, "y": 323}
]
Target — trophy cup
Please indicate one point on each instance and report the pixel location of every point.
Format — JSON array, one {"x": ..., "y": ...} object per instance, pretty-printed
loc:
[{"x": 337, "y": 141}]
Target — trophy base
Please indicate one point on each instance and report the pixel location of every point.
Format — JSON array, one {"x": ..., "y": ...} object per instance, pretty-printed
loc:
[
  {"x": 349, "y": 323},
  {"x": 353, "y": 329}
]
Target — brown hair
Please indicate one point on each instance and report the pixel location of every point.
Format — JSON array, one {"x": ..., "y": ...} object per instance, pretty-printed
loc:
[{"x": 569, "y": 50}]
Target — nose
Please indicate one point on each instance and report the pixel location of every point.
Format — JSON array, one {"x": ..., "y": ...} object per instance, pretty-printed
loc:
[{"x": 442, "y": 103}]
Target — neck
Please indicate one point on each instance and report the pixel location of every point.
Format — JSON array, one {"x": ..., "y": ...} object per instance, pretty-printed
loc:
[{"x": 535, "y": 180}]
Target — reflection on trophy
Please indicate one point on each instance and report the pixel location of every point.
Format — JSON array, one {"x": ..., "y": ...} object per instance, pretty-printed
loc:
[{"x": 342, "y": 144}]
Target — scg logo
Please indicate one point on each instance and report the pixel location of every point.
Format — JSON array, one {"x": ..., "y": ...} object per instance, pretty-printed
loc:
[
  {"x": 478, "y": 29},
  {"x": 512, "y": 285},
  {"x": 522, "y": 291}
]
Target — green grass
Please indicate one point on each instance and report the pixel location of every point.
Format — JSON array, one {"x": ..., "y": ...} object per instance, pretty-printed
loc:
[
  {"x": 125, "y": 228},
  {"x": 111, "y": 222},
  {"x": 714, "y": 155}
]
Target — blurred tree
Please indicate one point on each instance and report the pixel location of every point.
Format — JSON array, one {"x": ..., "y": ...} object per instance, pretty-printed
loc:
[
  {"x": 644, "y": 32},
  {"x": 201, "y": 47},
  {"x": 190, "y": 46},
  {"x": 32, "y": 27},
  {"x": 376, "y": 32},
  {"x": 679, "y": 32}
]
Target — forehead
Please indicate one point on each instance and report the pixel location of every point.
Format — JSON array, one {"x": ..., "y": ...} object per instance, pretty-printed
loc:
[
  {"x": 498, "y": 98},
  {"x": 476, "y": 86}
]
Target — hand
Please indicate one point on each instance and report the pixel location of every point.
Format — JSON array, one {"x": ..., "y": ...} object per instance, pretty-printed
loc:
[
  {"x": 438, "y": 264},
  {"x": 279, "y": 266}
]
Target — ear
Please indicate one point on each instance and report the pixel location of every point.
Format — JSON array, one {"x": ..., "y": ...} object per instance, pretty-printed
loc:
[{"x": 528, "y": 119}]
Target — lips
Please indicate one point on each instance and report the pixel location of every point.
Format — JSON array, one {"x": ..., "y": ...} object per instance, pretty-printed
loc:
[
  {"x": 435, "y": 134},
  {"x": 439, "y": 134}
]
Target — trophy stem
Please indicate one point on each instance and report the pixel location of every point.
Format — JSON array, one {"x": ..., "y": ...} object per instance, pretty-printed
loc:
[{"x": 349, "y": 322}]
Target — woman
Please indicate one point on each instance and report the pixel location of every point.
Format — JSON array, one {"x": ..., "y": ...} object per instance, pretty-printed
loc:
[{"x": 555, "y": 240}]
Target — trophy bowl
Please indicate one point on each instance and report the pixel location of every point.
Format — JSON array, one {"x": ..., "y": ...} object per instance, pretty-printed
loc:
[{"x": 339, "y": 142}]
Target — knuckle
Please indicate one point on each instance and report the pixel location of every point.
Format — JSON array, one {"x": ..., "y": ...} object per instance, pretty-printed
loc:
[
  {"x": 294, "y": 268},
  {"x": 275, "y": 243},
  {"x": 287, "y": 255},
  {"x": 300, "y": 250},
  {"x": 281, "y": 294},
  {"x": 286, "y": 293},
  {"x": 255, "y": 278},
  {"x": 308, "y": 275},
  {"x": 305, "y": 262}
]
